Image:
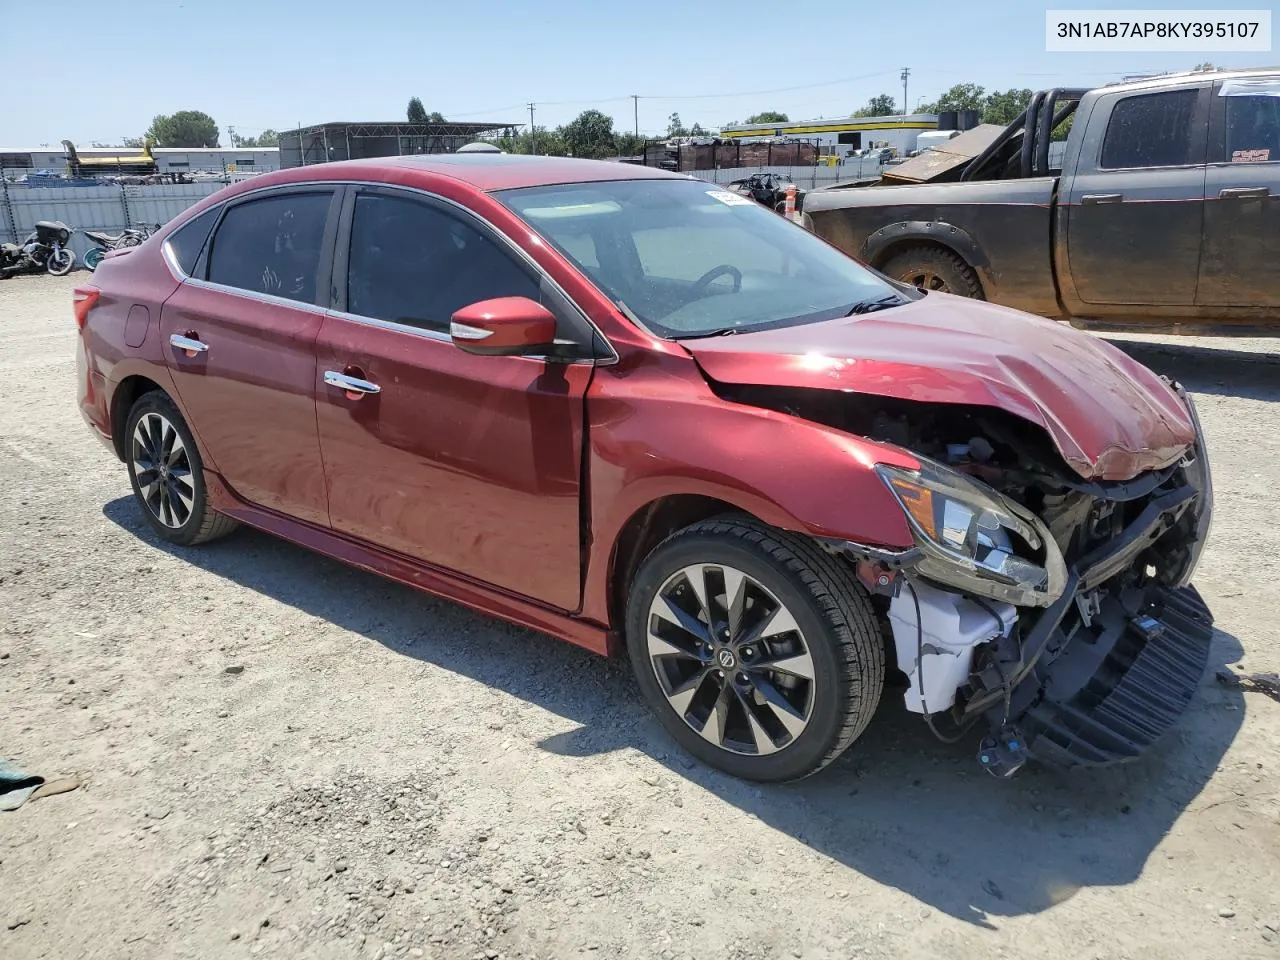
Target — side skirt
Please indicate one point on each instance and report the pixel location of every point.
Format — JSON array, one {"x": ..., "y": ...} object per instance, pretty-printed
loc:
[{"x": 413, "y": 573}]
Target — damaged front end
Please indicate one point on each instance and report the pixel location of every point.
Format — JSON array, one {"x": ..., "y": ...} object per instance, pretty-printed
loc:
[{"x": 1056, "y": 609}]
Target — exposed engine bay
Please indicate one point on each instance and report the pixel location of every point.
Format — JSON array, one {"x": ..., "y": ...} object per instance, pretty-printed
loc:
[{"x": 1056, "y": 608}]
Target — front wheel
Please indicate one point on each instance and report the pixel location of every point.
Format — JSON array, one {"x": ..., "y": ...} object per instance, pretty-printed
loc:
[
  {"x": 756, "y": 650},
  {"x": 93, "y": 258},
  {"x": 60, "y": 262}
]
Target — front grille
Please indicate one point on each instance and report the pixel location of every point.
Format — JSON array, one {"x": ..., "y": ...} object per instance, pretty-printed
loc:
[{"x": 1134, "y": 695}]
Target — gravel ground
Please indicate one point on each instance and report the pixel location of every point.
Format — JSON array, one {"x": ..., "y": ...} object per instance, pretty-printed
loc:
[{"x": 283, "y": 756}]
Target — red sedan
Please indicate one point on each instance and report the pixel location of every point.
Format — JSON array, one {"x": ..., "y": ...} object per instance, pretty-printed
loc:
[{"x": 646, "y": 415}]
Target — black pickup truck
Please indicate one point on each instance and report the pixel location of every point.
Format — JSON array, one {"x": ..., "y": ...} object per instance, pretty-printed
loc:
[{"x": 1152, "y": 203}]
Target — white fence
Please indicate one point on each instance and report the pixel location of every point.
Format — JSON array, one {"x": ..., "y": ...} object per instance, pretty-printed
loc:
[
  {"x": 807, "y": 177},
  {"x": 110, "y": 208}
]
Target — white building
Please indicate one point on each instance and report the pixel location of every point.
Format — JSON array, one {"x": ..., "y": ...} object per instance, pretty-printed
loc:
[
  {"x": 16, "y": 161},
  {"x": 843, "y": 136}
]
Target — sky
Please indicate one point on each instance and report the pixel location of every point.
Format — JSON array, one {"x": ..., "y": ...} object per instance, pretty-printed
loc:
[{"x": 280, "y": 63}]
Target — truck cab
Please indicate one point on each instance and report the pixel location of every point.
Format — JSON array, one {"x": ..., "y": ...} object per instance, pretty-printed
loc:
[{"x": 1154, "y": 202}]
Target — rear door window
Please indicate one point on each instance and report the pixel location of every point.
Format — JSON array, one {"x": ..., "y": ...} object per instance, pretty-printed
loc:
[
  {"x": 1151, "y": 130},
  {"x": 412, "y": 263},
  {"x": 272, "y": 245}
]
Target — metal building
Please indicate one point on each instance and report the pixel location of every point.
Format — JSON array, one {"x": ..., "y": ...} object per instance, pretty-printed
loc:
[
  {"x": 357, "y": 141},
  {"x": 844, "y": 135}
]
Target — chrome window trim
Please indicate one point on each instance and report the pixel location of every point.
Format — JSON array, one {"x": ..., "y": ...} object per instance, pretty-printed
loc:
[
  {"x": 504, "y": 240},
  {"x": 267, "y": 298},
  {"x": 441, "y": 337}
]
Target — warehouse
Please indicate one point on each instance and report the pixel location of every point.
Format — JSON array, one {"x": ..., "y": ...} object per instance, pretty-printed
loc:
[
  {"x": 843, "y": 136},
  {"x": 355, "y": 141},
  {"x": 19, "y": 161}
]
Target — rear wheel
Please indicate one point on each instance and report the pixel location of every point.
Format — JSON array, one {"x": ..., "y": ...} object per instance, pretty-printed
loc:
[
  {"x": 167, "y": 474},
  {"x": 755, "y": 649},
  {"x": 935, "y": 268},
  {"x": 93, "y": 258}
]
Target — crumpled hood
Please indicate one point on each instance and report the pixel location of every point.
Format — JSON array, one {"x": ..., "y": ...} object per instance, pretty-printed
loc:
[{"x": 1109, "y": 416}]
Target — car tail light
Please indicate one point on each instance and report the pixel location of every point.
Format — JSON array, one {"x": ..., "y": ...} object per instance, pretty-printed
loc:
[{"x": 86, "y": 298}]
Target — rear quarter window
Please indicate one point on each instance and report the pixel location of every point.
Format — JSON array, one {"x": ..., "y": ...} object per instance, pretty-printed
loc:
[{"x": 185, "y": 243}]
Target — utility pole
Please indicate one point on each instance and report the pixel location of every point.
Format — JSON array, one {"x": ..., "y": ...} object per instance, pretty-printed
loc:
[
  {"x": 231, "y": 132},
  {"x": 533, "y": 136},
  {"x": 906, "y": 72},
  {"x": 636, "y": 101}
]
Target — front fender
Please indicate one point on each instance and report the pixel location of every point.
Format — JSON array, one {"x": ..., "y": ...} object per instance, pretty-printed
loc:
[
  {"x": 933, "y": 231},
  {"x": 793, "y": 474}
]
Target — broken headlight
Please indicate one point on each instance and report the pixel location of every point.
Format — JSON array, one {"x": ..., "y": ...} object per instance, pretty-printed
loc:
[{"x": 975, "y": 538}]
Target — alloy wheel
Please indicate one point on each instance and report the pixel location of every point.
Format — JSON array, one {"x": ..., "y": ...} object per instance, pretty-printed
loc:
[
  {"x": 731, "y": 660},
  {"x": 927, "y": 280},
  {"x": 163, "y": 470}
]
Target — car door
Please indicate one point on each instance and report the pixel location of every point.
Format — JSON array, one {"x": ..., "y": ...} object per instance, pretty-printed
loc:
[
  {"x": 240, "y": 337},
  {"x": 470, "y": 463},
  {"x": 1134, "y": 207},
  {"x": 1241, "y": 246}
]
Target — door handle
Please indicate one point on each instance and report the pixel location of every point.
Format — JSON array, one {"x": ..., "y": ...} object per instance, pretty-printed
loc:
[
  {"x": 1089, "y": 199},
  {"x": 1243, "y": 193},
  {"x": 352, "y": 385},
  {"x": 188, "y": 343}
]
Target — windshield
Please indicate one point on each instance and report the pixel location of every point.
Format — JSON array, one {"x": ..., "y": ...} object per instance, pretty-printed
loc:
[{"x": 690, "y": 259}]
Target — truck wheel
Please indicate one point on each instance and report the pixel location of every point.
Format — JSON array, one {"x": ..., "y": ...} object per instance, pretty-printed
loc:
[
  {"x": 934, "y": 268},
  {"x": 756, "y": 650}
]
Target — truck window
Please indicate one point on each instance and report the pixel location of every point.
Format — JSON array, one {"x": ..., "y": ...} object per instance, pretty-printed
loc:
[
  {"x": 1253, "y": 129},
  {"x": 1150, "y": 130}
]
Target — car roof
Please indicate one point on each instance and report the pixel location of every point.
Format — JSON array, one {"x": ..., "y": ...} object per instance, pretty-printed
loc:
[
  {"x": 482, "y": 171},
  {"x": 1182, "y": 79}
]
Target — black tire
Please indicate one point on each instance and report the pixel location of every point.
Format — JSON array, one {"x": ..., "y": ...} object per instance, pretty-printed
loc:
[
  {"x": 935, "y": 268},
  {"x": 166, "y": 511},
  {"x": 60, "y": 263},
  {"x": 834, "y": 616}
]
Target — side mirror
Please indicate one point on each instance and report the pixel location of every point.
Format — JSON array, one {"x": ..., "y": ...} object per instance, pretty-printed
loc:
[{"x": 505, "y": 326}]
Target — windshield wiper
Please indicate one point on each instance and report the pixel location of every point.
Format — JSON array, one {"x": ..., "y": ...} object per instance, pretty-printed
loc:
[
  {"x": 871, "y": 306},
  {"x": 717, "y": 332}
]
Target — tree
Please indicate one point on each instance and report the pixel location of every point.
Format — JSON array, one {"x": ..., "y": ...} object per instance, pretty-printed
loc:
[
  {"x": 697, "y": 130},
  {"x": 186, "y": 128},
  {"x": 590, "y": 134},
  {"x": 135, "y": 143},
  {"x": 628, "y": 144},
  {"x": 675, "y": 128},
  {"x": 881, "y": 105},
  {"x": 1003, "y": 106},
  {"x": 1205, "y": 67},
  {"x": 416, "y": 112},
  {"x": 768, "y": 116},
  {"x": 268, "y": 138},
  {"x": 963, "y": 96}
]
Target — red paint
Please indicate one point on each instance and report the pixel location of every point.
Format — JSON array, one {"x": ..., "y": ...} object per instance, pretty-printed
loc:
[
  {"x": 1110, "y": 417},
  {"x": 440, "y": 583},
  {"x": 469, "y": 463},
  {"x": 505, "y": 481},
  {"x": 504, "y": 325}
]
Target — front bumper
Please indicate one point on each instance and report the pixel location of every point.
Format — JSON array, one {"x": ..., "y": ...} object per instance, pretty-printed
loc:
[{"x": 1102, "y": 688}]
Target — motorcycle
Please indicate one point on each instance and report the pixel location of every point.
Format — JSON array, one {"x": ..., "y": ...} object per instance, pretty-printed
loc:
[
  {"x": 767, "y": 189},
  {"x": 45, "y": 248},
  {"x": 129, "y": 237}
]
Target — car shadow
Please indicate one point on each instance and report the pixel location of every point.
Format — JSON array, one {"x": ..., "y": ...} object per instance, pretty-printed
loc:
[
  {"x": 899, "y": 807},
  {"x": 1211, "y": 369}
]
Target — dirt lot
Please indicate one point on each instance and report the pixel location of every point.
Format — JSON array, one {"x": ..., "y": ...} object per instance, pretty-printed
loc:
[{"x": 384, "y": 774}]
